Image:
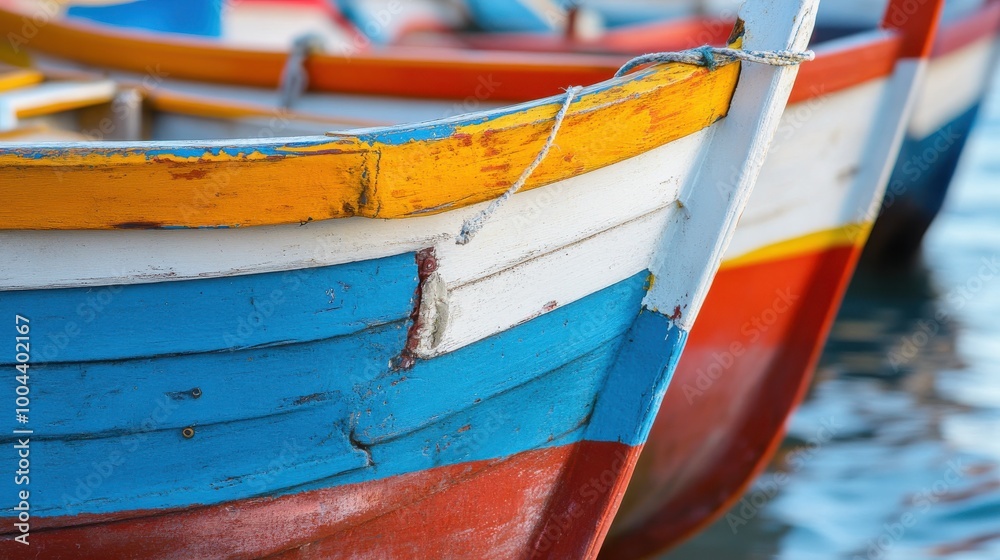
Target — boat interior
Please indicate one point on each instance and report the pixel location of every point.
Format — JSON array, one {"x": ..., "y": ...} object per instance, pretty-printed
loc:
[{"x": 50, "y": 99}]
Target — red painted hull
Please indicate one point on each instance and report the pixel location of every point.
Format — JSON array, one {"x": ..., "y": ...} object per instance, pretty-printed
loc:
[
  {"x": 551, "y": 501},
  {"x": 723, "y": 416}
]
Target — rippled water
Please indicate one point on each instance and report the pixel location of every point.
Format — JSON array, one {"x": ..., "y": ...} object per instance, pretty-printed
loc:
[{"x": 896, "y": 452}]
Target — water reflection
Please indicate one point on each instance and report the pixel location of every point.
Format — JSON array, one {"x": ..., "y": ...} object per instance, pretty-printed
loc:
[{"x": 896, "y": 453}]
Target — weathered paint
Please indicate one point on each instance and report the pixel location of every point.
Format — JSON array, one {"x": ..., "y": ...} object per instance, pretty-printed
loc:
[
  {"x": 385, "y": 173},
  {"x": 592, "y": 406},
  {"x": 218, "y": 314},
  {"x": 419, "y": 514},
  {"x": 750, "y": 356},
  {"x": 348, "y": 413}
]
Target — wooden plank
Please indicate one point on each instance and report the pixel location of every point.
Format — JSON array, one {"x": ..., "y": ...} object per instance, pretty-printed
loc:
[
  {"x": 12, "y": 77},
  {"x": 51, "y": 98},
  {"x": 385, "y": 173},
  {"x": 719, "y": 193},
  {"x": 217, "y": 314}
]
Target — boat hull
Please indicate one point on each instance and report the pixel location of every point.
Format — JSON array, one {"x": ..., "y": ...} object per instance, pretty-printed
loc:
[{"x": 959, "y": 75}]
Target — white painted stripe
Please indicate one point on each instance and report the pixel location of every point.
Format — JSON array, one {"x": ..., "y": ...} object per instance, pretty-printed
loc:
[
  {"x": 954, "y": 84},
  {"x": 493, "y": 304},
  {"x": 596, "y": 229},
  {"x": 51, "y": 94},
  {"x": 798, "y": 192},
  {"x": 717, "y": 196},
  {"x": 532, "y": 223}
]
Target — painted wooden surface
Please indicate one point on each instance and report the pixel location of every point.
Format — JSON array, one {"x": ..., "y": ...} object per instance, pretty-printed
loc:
[
  {"x": 960, "y": 71},
  {"x": 417, "y": 73},
  {"x": 393, "y": 433},
  {"x": 750, "y": 356},
  {"x": 724, "y": 189},
  {"x": 338, "y": 400},
  {"x": 384, "y": 173}
]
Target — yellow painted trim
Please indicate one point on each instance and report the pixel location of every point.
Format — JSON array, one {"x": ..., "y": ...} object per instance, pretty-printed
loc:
[
  {"x": 851, "y": 235},
  {"x": 14, "y": 78},
  {"x": 167, "y": 185}
]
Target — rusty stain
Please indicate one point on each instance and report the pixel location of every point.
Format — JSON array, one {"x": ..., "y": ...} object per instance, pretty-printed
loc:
[
  {"x": 310, "y": 398},
  {"x": 677, "y": 313},
  {"x": 550, "y": 306},
  {"x": 465, "y": 428},
  {"x": 427, "y": 264},
  {"x": 190, "y": 175},
  {"x": 498, "y": 167},
  {"x": 466, "y": 139},
  {"x": 138, "y": 225}
]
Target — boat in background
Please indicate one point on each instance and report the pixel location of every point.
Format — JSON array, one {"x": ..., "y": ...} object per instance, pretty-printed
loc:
[
  {"x": 750, "y": 358},
  {"x": 275, "y": 346},
  {"x": 962, "y": 65}
]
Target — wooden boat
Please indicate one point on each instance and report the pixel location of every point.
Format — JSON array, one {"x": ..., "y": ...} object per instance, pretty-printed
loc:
[
  {"x": 275, "y": 347},
  {"x": 962, "y": 66},
  {"x": 750, "y": 358}
]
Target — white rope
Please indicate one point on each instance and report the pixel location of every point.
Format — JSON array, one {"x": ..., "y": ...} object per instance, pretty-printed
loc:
[
  {"x": 712, "y": 57},
  {"x": 472, "y": 226},
  {"x": 294, "y": 78}
]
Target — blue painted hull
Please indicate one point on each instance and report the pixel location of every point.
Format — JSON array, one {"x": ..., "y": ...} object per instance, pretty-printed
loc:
[
  {"x": 146, "y": 405},
  {"x": 917, "y": 191}
]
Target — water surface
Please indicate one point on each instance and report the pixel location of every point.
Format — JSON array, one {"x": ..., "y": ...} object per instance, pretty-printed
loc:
[{"x": 896, "y": 452}]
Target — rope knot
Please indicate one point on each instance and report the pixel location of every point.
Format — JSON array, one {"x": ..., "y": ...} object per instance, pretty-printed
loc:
[
  {"x": 472, "y": 226},
  {"x": 713, "y": 57}
]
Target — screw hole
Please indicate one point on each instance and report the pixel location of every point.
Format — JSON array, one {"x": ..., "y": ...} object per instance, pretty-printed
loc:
[
  {"x": 196, "y": 392},
  {"x": 188, "y": 432}
]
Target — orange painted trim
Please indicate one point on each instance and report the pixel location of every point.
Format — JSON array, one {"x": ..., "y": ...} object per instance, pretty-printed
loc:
[
  {"x": 917, "y": 21},
  {"x": 840, "y": 69},
  {"x": 395, "y": 173},
  {"x": 956, "y": 35},
  {"x": 411, "y": 72}
]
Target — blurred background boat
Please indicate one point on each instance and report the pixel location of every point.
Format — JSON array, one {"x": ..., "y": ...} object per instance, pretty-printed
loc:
[{"x": 909, "y": 384}]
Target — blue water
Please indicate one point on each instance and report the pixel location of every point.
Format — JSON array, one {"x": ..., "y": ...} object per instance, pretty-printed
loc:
[{"x": 909, "y": 386}]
